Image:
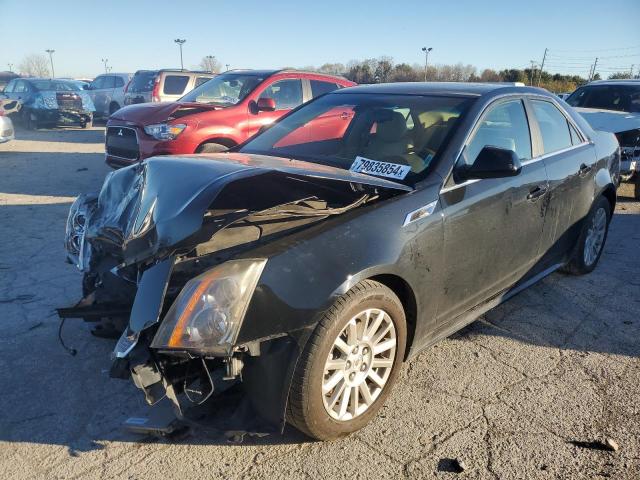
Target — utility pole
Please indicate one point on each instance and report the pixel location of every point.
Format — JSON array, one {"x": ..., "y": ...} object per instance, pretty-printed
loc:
[
  {"x": 592, "y": 71},
  {"x": 180, "y": 42},
  {"x": 532, "y": 72},
  {"x": 105, "y": 60},
  {"x": 50, "y": 52},
  {"x": 544, "y": 57},
  {"x": 631, "y": 71},
  {"x": 426, "y": 60}
]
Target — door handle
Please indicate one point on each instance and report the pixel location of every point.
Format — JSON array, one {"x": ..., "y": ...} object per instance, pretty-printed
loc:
[
  {"x": 536, "y": 193},
  {"x": 584, "y": 169}
]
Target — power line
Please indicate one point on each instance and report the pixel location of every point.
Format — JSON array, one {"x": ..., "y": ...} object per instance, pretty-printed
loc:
[{"x": 599, "y": 49}]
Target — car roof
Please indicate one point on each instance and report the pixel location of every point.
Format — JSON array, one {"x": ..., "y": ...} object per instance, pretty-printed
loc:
[
  {"x": 442, "y": 88},
  {"x": 624, "y": 81}
]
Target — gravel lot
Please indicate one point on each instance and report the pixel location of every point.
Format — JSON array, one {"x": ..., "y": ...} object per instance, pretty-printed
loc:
[{"x": 522, "y": 393}]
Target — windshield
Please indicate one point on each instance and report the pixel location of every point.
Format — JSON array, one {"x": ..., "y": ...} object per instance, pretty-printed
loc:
[
  {"x": 142, "y": 81},
  {"x": 226, "y": 89},
  {"x": 623, "y": 98},
  {"x": 54, "y": 86},
  {"x": 393, "y": 136}
]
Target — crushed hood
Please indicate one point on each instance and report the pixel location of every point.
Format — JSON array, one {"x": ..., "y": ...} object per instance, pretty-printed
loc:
[
  {"x": 145, "y": 208},
  {"x": 152, "y": 112},
  {"x": 610, "y": 120}
]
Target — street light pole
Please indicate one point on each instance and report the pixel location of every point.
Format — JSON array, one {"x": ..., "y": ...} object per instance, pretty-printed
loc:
[
  {"x": 426, "y": 60},
  {"x": 11, "y": 67},
  {"x": 105, "y": 60},
  {"x": 227, "y": 65},
  {"x": 50, "y": 52},
  {"x": 211, "y": 59},
  {"x": 180, "y": 42}
]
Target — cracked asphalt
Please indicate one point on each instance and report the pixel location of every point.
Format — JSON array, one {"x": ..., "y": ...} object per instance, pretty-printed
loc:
[{"x": 527, "y": 391}]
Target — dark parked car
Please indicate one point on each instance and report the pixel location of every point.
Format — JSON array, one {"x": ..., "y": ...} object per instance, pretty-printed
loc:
[
  {"x": 308, "y": 264},
  {"x": 218, "y": 114},
  {"x": 47, "y": 101}
]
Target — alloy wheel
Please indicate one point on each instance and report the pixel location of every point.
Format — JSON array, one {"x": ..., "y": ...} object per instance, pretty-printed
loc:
[
  {"x": 359, "y": 364},
  {"x": 595, "y": 236}
]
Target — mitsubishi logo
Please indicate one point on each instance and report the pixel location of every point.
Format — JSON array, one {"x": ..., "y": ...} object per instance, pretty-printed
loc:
[{"x": 120, "y": 132}]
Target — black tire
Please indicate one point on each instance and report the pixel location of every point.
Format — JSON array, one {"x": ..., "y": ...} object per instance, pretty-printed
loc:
[
  {"x": 28, "y": 123},
  {"x": 113, "y": 108},
  {"x": 636, "y": 186},
  {"x": 576, "y": 264},
  {"x": 306, "y": 410},
  {"x": 212, "y": 147}
]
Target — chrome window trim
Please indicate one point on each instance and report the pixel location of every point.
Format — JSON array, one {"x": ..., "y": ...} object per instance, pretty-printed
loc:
[{"x": 459, "y": 185}]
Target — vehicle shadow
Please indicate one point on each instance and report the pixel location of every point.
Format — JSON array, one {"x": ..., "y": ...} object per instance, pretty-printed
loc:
[
  {"x": 74, "y": 403},
  {"x": 70, "y": 134}
]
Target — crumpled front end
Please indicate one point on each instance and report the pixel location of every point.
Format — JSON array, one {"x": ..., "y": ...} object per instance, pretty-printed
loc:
[{"x": 167, "y": 249}]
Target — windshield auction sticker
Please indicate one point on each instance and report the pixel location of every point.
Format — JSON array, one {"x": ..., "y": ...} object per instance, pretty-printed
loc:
[{"x": 382, "y": 169}]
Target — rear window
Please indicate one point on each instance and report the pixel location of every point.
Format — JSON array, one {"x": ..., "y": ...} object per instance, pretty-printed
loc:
[
  {"x": 143, "y": 81},
  {"x": 320, "y": 88},
  {"x": 54, "y": 86},
  {"x": 175, "y": 84},
  {"x": 119, "y": 82}
]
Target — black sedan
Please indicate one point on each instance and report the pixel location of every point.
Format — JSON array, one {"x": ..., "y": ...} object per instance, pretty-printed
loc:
[{"x": 304, "y": 267}]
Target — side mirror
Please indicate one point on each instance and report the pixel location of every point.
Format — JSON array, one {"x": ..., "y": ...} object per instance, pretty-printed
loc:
[
  {"x": 266, "y": 104},
  {"x": 492, "y": 162}
]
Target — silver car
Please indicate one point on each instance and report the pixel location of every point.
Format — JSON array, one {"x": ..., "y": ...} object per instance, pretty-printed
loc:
[
  {"x": 107, "y": 92},
  {"x": 163, "y": 85}
]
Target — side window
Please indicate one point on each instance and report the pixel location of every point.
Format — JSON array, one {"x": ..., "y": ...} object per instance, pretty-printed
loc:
[
  {"x": 320, "y": 88},
  {"x": 175, "y": 84},
  {"x": 201, "y": 80},
  {"x": 20, "y": 87},
  {"x": 554, "y": 127},
  {"x": 286, "y": 93},
  {"x": 109, "y": 81},
  {"x": 119, "y": 82},
  {"x": 98, "y": 83},
  {"x": 575, "y": 136},
  {"x": 504, "y": 126},
  {"x": 10, "y": 86}
]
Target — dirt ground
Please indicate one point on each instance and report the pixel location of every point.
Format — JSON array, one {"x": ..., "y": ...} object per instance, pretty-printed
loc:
[{"x": 528, "y": 391}]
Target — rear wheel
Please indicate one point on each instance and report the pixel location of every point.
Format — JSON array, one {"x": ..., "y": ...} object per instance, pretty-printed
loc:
[
  {"x": 349, "y": 364},
  {"x": 29, "y": 120},
  {"x": 592, "y": 239},
  {"x": 212, "y": 147}
]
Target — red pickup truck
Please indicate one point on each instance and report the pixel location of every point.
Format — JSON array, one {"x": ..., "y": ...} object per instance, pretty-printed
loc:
[{"x": 217, "y": 115}]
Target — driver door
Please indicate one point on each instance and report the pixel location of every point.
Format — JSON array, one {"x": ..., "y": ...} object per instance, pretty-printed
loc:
[
  {"x": 286, "y": 93},
  {"x": 492, "y": 227}
]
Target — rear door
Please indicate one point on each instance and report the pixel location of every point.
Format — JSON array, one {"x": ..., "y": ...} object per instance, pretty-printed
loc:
[
  {"x": 101, "y": 93},
  {"x": 569, "y": 160},
  {"x": 287, "y": 94},
  {"x": 492, "y": 227}
]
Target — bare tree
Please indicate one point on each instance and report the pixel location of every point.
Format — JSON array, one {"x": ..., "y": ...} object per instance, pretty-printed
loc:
[
  {"x": 210, "y": 64},
  {"x": 35, "y": 65}
]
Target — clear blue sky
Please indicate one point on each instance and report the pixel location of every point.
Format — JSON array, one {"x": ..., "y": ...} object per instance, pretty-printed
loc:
[{"x": 265, "y": 34}]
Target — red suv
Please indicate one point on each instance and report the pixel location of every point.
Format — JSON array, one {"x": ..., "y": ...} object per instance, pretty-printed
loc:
[{"x": 217, "y": 115}]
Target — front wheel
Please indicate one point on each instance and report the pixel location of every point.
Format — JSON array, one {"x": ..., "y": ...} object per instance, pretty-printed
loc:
[
  {"x": 349, "y": 364},
  {"x": 592, "y": 239}
]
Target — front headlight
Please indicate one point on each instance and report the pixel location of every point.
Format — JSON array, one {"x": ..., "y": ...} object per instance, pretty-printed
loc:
[
  {"x": 163, "y": 131},
  {"x": 80, "y": 211},
  {"x": 209, "y": 310}
]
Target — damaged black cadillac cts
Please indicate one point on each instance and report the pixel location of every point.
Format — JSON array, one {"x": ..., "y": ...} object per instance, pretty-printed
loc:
[{"x": 306, "y": 265}]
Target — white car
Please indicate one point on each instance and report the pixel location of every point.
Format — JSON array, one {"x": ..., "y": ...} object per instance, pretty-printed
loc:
[
  {"x": 107, "y": 92},
  {"x": 614, "y": 106}
]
